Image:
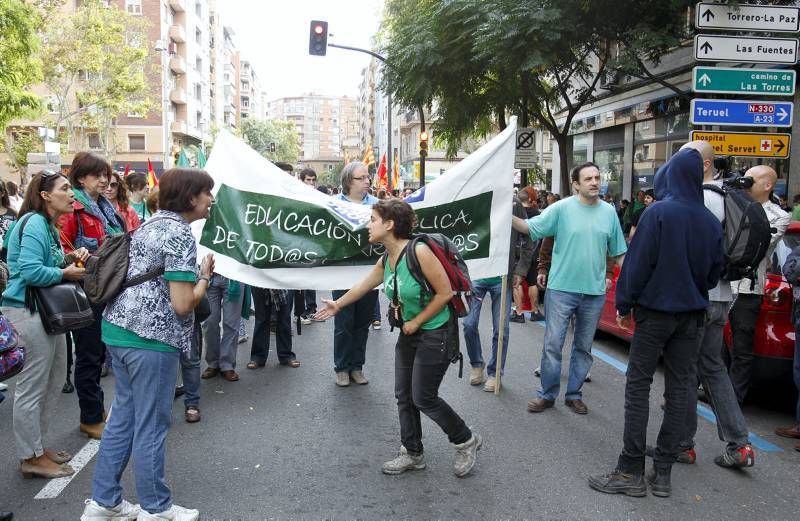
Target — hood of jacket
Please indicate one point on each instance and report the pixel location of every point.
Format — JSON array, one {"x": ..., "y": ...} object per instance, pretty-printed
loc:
[{"x": 681, "y": 178}]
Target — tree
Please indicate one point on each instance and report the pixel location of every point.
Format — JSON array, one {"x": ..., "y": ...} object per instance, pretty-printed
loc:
[
  {"x": 18, "y": 147},
  {"x": 540, "y": 59},
  {"x": 262, "y": 134},
  {"x": 20, "y": 66},
  {"x": 95, "y": 69}
]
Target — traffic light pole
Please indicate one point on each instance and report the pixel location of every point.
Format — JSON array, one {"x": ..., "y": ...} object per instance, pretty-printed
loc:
[{"x": 389, "y": 158}]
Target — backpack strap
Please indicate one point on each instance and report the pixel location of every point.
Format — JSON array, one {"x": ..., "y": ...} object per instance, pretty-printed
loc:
[
  {"x": 148, "y": 275},
  {"x": 714, "y": 188}
]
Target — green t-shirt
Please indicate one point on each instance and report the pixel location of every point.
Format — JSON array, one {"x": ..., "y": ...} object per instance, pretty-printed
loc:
[
  {"x": 119, "y": 336},
  {"x": 409, "y": 291},
  {"x": 584, "y": 236}
]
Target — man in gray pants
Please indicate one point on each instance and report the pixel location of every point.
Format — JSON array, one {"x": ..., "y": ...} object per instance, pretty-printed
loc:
[
  {"x": 731, "y": 425},
  {"x": 225, "y": 297}
]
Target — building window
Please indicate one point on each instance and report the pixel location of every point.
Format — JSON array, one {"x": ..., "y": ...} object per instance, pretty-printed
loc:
[
  {"x": 133, "y": 6},
  {"x": 198, "y": 8},
  {"x": 198, "y": 64},
  {"x": 94, "y": 141},
  {"x": 198, "y": 91},
  {"x": 655, "y": 141},
  {"x": 199, "y": 119},
  {"x": 198, "y": 35},
  {"x": 136, "y": 142}
]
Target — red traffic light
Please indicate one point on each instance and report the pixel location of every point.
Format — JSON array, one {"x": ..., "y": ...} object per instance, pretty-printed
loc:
[{"x": 318, "y": 38}]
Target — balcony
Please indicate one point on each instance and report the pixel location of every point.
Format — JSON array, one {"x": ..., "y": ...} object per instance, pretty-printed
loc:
[
  {"x": 177, "y": 33},
  {"x": 177, "y": 64},
  {"x": 177, "y": 5},
  {"x": 178, "y": 127},
  {"x": 178, "y": 96}
]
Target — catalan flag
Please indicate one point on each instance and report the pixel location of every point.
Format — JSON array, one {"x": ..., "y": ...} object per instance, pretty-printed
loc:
[
  {"x": 369, "y": 156},
  {"x": 382, "y": 179},
  {"x": 395, "y": 172}
]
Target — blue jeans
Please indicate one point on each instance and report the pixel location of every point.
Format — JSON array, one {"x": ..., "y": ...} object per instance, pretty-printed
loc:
[
  {"x": 471, "y": 334},
  {"x": 138, "y": 425},
  {"x": 350, "y": 332},
  {"x": 190, "y": 368},
  {"x": 559, "y": 307}
]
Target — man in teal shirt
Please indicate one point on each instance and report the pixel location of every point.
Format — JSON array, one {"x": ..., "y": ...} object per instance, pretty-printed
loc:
[{"x": 586, "y": 231}]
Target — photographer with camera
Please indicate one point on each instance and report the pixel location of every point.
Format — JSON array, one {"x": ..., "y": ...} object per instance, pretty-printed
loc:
[{"x": 744, "y": 313}]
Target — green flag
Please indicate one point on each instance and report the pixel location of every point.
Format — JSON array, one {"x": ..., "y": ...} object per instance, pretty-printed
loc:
[
  {"x": 183, "y": 161},
  {"x": 201, "y": 158}
]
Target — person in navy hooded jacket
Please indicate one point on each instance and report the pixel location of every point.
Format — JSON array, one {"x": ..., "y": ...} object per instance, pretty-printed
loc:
[{"x": 674, "y": 259}]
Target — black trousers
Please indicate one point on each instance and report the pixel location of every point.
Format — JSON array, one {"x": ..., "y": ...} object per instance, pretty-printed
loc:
[
  {"x": 90, "y": 352},
  {"x": 259, "y": 350},
  {"x": 743, "y": 317},
  {"x": 677, "y": 336},
  {"x": 420, "y": 363}
]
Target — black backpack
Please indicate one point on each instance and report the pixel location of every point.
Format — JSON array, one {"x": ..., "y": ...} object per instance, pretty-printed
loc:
[{"x": 747, "y": 233}]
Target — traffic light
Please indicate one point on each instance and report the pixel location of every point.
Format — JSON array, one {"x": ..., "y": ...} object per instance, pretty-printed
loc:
[
  {"x": 423, "y": 144},
  {"x": 318, "y": 38}
]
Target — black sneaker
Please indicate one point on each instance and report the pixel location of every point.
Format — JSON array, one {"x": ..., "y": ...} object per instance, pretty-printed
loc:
[
  {"x": 619, "y": 482},
  {"x": 738, "y": 458},
  {"x": 659, "y": 481},
  {"x": 537, "y": 317},
  {"x": 516, "y": 317}
]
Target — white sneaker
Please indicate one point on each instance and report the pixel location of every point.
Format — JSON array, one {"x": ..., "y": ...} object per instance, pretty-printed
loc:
[
  {"x": 95, "y": 512},
  {"x": 476, "y": 376},
  {"x": 175, "y": 513},
  {"x": 490, "y": 384},
  {"x": 466, "y": 454},
  {"x": 305, "y": 320},
  {"x": 3, "y": 387}
]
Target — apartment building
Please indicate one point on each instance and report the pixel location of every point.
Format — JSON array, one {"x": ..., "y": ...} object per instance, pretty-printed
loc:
[
  {"x": 196, "y": 85},
  {"x": 325, "y": 124}
]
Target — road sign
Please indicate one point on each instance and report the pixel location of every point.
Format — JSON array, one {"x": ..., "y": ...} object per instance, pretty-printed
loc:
[
  {"x": 745, "y": 49},
  {"x": 741, "y": 113},
  {"x": 774, "y": 19},
  {"x": 747, "y": 144},
  {"x": 525, "y": 156},
  {"x": 727, "y": 80}
]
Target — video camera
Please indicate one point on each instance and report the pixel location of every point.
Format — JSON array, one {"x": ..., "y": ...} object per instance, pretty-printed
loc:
[{"x": 739, "y": 182}]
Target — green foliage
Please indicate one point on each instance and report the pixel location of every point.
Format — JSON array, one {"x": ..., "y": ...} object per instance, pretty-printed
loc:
[
  {"x": 20, "y": 66},
  {"x": 479, "y": 60},
  {"x": 260, "y": 133},
  {"x": 332, "y": 177},
  {"x": 23, "y": 142},
  {"x": 95, "y": 63}
]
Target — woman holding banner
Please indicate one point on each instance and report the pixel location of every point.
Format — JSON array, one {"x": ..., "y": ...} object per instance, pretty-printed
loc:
[
  {"x": 421, "y": 358},
  {"x": 351, "y": 326}
]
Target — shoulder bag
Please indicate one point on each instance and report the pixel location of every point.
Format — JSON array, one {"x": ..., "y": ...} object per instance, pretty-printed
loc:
[{"x": 62, "y": 307}]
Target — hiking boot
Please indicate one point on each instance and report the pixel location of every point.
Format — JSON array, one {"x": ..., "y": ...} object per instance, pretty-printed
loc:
[
  {"x": 403, "y": 462},
  {"x": 685, "y": 456},
  {"x": 175, "y": 513},
  {"x": 490, "y": 384},
  {"x": 358, "y": 378},
  {"x": 619, "y": 482},
  {"x": 343, "y": 379},
  {"x": 738, "y": 458},
  {"x": 659, "y": 480},
  {"x": 476, "y": 375},
  {"x": 465, "y": 455},
  {"x": 95, "y": 512},
  {"x": 518, "y": 318}
]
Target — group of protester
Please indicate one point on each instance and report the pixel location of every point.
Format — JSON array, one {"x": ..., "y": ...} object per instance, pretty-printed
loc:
[{"x": 669, "y": 282}]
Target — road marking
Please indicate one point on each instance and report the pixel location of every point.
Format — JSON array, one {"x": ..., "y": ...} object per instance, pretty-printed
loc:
[
  {"x": 702, "y": 411},
  {"x": 55, "y": 486}
]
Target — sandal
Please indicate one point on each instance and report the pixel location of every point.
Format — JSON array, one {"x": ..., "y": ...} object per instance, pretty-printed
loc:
[
  {"x": 291, "y": 363},
  {"x": 254, "y": 365}
]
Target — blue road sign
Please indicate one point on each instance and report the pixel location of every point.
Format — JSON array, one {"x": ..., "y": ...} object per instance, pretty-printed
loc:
[{"x": 742, "y": 113}]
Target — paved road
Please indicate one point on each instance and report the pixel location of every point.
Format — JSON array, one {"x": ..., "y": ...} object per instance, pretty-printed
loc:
[{"x": 286, "y": 443}]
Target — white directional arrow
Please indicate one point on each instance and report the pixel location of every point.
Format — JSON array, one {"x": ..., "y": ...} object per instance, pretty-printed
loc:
[
  {"x": 705, "y": 80},
  {"x": 782, "y": 113}
]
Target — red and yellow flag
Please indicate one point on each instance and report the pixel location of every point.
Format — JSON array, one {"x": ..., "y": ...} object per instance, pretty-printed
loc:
[
  {"x": 369, "y": 155},
  {"x": 152, "y": 180},
  {"x": 382, "y": 179},
  {"x": 395, "y": 172}
]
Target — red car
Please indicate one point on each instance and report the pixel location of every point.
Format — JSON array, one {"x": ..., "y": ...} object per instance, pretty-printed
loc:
[{"x": 774, "y": 334}]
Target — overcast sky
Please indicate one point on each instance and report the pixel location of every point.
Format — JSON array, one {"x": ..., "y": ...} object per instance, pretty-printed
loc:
[{"x": 273, "y": 36}]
